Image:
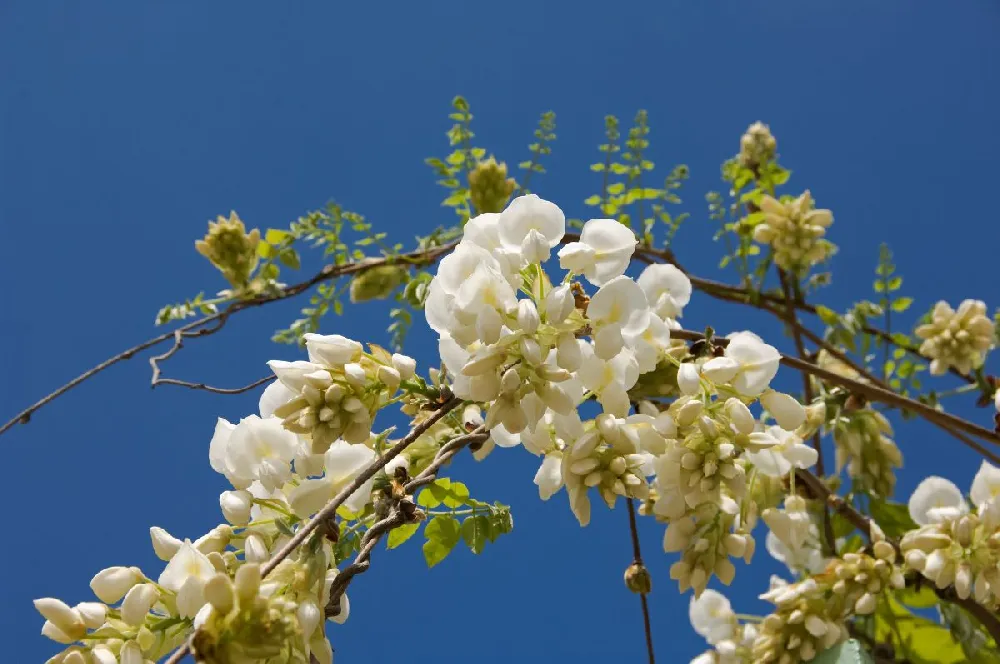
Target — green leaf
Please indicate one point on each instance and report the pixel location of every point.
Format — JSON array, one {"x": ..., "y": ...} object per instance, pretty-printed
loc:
[
  {"x": 276, "y": 236},
  {"x": 923, "y": 639},
  {"x": 265, "y": 250},
  {"x": 902, "y": 304},
  {"x": 895, "y": 283},
  {"x": 922, "y": 598},
  {"x": 894, "y": 518},
  {"x": 597, "y": 168},
  {"x": 476, "y": 532},
  {"x": 592, "y": 200},
  {"x": 289, "y": 258},
  {"x": 442, "y": 533},
  {"x": 456, "y": 496},
  {"x": 400, "y": 534},
  {"x": 616, "y": 188}
]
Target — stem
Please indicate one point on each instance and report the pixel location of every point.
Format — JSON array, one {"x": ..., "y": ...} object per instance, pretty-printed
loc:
[{"x": 637, "y": 560}]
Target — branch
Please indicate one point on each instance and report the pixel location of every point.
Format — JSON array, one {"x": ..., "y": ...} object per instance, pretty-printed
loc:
[
  {"x": 193, "y": 329},
  {"x": 330, "y": 509},
  {"x": 397, "y": 517},
  {"x": 871, "y": 392}
]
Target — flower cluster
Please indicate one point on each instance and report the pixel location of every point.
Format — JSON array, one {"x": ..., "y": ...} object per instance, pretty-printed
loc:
[
  {"x": 863, "y": 446},
  {"x": 231, "y": 249},
  {"x": 794, "y": 230},
  {"x": 957, "y": 339},
  {"x": 533, "y": 360},
  {"x": 953, "y": 545},
  {"x": 757, "y": 145},
  {"x": 713, "y": 618}
]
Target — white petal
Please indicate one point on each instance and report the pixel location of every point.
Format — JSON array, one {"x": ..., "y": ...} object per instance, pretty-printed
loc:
[
  {"x": 310, "y": 496},
  {"x": 934, "y": 498},
  {"x": 276, "y": 394},
  {"x": 986, "y": 484},
  {"x": 549, "y": 476}
]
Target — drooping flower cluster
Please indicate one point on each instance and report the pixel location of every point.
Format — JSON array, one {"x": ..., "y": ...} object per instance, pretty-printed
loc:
[
  {"x": 863, "y": 446},
  {"x": 712, "y": 617},
  {"x": 230, "y": 248},
  {"x": 810, "y": 616},
  {"x": 795, "y": 231},
  {"x": 957, "y": 339},
  {"x": 533, "y": 360},
  {"x": 955, "y": 545}
]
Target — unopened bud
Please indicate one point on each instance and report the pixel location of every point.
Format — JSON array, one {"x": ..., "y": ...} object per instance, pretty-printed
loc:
[
  {"x": 489, "y": 186},
  {"x": 637, "y": 579},
  {"x": 377, "y": 283},
  {"x": 247, "y": 581},
  {"x": 219, "y": 593}
]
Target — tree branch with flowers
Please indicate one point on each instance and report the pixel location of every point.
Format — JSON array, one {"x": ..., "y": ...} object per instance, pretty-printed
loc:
[{"x": 546, "y": 343}]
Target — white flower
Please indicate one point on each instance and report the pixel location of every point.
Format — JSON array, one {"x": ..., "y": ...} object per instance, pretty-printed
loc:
[
  {"x": 344, "y": 462},
  {"x": 186, "y": 574},
  {"x": 275, "y": 395},
  {"x": 667, "y": 289},
  {"x": 530, "y": 213},
  {"x": 712, "y": 616},
  {"x": 986, "y": 484},
  {"x": 805, "y": 559},
  {"x": 603, "y": 252},
  {"x": 936, "y": 500},
  {"x": 789, "y": 452},
  {"x": 549, "y": 476},
  {"x": 650, "y": 344},
  {"x": 331, "y": 350},
  {"x": 957, "y": 339},
  {"x": 792, "y": 524},
  {"x": 255, "y": 449},
  {"x": 617, "y": 309},
  {"x": 293, "y": 374},
  {"x": 758, "y": 362},
  {"x": 610, "y": 380}
]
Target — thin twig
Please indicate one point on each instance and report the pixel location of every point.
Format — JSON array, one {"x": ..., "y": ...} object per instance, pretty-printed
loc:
[
  {"x": 414, "y": 258},
  {"x": 637, "y": 560},
  {"x": 214, "y": 390},
  {"x": 331, "y": 507}
]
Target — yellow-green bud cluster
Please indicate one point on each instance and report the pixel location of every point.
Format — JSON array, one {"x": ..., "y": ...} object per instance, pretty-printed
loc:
[
  {"x": 706, "y": 544},
  {"x": 377, "y": 283},
  {"x": 231, "y": 249},
  {"x": 958, "y": 339},
  {"x": 489, "y": 186},
  {"x": 757, "y": 145},
  {"x": 962, "y": 551},
  {"x": 864, "y": 447},
  {"x": 795, "y": 231},
  {"x": 810, "y": 615}
]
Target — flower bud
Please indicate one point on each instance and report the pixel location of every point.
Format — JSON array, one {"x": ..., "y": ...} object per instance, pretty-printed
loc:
[
  {"x": 637, "y": 579},
  {"x": 145, "y": 638},
  {"x": 230, "y": 249},
  {"x": 405, "y": 365},
  {"x": 69, "y": 621},
  {"x": 131, "y": 653},
  {"x": 217, "y": 539},
  {"x": 111, "y": 584},
  {"x": 688, "y": 380},
  {"x": 137, "y": 603},
  {"x": 309, "y": 617},
  {"x": 884, "y": 551},
  {"x": 165, "y": 545},
  {"x": 787, "y": 412},
  {"x": 489, "y": 186},
  {"x": 527, "y": 316},
  {"x": 255, "y": 549},
  {"x": 720, "y": 369},
  {"x": 568, "y": 354},
  {"x": 559, "y": 303},
  {"x": 247, "y": 581},
  {"x": 534, "y": 247},
  {"x": 74, "y": 657},
  {"x": 740, "y": 416},
  {"x": 236, "y": 506},
  {"x": 377, "y": 283},
  {"x": 219, "y": 593},
  {"x": 93, "y": 613}
]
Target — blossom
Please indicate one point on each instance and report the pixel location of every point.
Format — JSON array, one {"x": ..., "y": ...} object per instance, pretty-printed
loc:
[
  {"x": 757, "y": 145},
  {"x": 603, "y": 252},
  {"x": 111, "y": 584},
  {"x": 985, "y": 485},
  {"x": 186, "y": 574},
  {"x": 610, "y": 379},
  {"x": 779, "y": 459},
  {"x": 344, "y": 462},
  {"x": 667, "y": 289},
  {"x": 619, "y": 308},
  {"x": 529, "y": 218},
  {"x": 957, "y": 339},
  {"x": 758, "y": 363},
  {"x": 712, "y": 616},
  {"x": 795, "y": 232},
  {"x": 255, "y": 449},
  {"x": 935, "y": 500},
  {"x": 786, "y": 410}
]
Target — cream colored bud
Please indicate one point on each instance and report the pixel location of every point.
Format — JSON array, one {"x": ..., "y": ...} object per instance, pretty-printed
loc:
[
  {"x": 236, "y": 506},
  {"x": 219, "y": 593},
  {"x": 111, "y": 584},
  {"x": 247, "y": 581},
  {"x": 67, "y": 620},
  {"x": 93, "y": 613},
  {"x": 137, "y": 603}
]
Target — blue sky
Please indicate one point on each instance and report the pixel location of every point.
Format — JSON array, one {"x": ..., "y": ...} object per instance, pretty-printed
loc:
[{"x": 125, "y": 126}]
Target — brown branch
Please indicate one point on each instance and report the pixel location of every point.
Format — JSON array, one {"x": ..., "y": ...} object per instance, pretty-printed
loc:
[
  {"x": 330, "y": 509},
  {"x": 397, "y": 517},
  {"x": 637, "y": 560},
  {"x": 415, "y": 258},
  {"x": 214, "y": 390},
  {"x": 871, "y": 392}
]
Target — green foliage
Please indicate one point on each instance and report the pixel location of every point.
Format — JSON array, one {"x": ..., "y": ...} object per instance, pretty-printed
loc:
[
  {"x": 544, "y": 135},
  {"x": 623, "y": 195},
  {"x": 893, "y": 518},
  {"x": 918, "y": 639}
]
